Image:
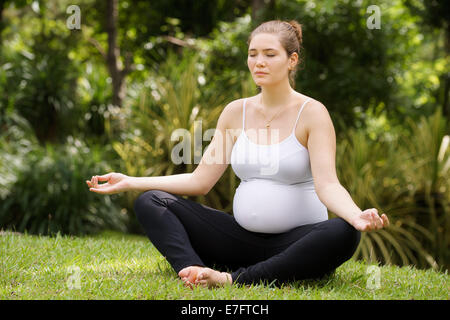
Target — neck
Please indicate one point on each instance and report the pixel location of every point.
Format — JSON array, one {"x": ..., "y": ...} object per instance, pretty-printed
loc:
[{"x": 276, "y": 96}]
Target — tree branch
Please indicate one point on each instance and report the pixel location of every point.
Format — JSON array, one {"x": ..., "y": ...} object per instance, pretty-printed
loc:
[
  {"x": 177, "y": 41},
  {"x": 98, "y": 46}
]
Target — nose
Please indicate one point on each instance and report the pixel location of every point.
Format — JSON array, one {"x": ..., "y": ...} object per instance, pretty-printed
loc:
[{"x": 260, "y": 61}]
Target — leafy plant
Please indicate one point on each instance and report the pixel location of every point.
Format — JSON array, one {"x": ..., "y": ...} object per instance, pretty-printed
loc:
[
  {"x": 17, "y": 139},
  {"x": 388, "y": 174},
  {"x": 49, "y": 194},
  {"x": 429, "y": 172},
  {"x": 47, "y": 79}
]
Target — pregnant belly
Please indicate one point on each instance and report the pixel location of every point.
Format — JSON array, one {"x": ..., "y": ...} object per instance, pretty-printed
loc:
[{"x": 266, "y": 206}]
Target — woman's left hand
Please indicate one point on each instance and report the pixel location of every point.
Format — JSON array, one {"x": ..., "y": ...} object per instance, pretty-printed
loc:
[{"x": 369, "y": 220}]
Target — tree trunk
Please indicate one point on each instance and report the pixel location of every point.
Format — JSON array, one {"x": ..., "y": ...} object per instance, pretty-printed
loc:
[
  {"x": 116, "y": 72},
  {"x": 262, "y": 10},
  {"x": 446, "y": 103},
  {"x": 257, "y": 5}
]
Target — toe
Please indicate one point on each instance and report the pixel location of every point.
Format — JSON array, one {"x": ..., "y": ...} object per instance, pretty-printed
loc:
[
  {"x": 201, "y": 276},
  {"x": 185, "y": 273}
]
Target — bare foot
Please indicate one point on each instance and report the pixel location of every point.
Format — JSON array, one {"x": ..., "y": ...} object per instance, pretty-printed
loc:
[
  {"x": 189, "y": 275},
  {"x": 211, "y": 278},
  {"x": 205, "y": 277}
]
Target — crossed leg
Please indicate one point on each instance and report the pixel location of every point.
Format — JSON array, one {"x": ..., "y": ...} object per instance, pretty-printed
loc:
[{"x": 192, "y": 236}]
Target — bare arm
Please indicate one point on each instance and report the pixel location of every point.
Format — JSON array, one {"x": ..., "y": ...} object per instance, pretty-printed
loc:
[
  {"x": 117, "y": 182},
  {"x": 181, "y": 184},
  {"x": 212, "y": 166},
  {"x": 322, "y": 151},
  {"x": 218, "y": 154}
]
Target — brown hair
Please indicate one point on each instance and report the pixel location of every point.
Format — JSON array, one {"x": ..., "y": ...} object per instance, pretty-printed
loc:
[{"x": 290, "y": 36}]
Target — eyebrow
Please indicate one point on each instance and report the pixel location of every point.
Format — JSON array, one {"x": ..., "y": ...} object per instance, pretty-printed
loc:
[{"x": 263, "y": 49}]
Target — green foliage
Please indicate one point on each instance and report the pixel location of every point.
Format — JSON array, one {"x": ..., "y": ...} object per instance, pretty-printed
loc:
[
  {"x": 430, "y": 179},
  {"x": 227, "y": 46},
  {"x": 392, "y": 174},
  {"x": 44, "y": 79},
  {"x": 48, "y": 194},
  {"x": 17, "y": 140},
  {"x": 434, "y": 13},
  {"x": 94, "y": 108}
]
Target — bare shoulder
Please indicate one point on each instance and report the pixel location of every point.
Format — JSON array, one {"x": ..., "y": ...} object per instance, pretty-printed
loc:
[
  {"x": 315, "y": 115},
  {"x": 232, "y": 113},
  {"x": 235, "y": 106}
]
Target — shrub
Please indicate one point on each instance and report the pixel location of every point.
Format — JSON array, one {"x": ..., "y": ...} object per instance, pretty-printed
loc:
[
  {"x": 393, "y": 174},
  {"x": 49, "y": 194}
]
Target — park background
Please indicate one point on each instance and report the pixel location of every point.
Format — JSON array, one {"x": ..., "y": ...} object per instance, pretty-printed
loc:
[{"x": 78, "y": 102}]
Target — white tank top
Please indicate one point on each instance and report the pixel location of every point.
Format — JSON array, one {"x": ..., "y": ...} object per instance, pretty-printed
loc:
[{"x": 276, "y": 192}]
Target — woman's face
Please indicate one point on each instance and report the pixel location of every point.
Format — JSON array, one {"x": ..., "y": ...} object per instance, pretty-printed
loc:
[{"x": 266, "y": 55}]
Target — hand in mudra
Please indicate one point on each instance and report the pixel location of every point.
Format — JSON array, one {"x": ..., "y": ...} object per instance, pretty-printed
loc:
[
  {"x": 369, "y": 220},
  {"x": 115, "y": 183}
]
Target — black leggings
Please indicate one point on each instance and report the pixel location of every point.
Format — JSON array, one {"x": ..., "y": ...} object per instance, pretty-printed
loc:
[{"x": 188, "y": 233}]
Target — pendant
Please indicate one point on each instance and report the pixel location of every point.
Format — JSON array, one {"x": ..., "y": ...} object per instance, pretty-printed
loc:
[{"x": 267, "y": 126}]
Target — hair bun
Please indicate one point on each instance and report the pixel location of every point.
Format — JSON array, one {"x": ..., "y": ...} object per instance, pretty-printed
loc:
[{"x": 298, "y": 30}]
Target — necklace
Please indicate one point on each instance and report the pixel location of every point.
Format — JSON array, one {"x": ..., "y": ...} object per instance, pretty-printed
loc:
[{"x": 268, "y": 122}]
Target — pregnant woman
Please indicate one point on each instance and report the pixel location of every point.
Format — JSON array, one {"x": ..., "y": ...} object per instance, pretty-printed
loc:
[{"x": 282, "y": 146}]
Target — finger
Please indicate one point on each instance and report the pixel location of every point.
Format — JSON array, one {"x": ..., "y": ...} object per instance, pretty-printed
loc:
[
  {"x": 96, "y": 181},
  {"x": 103, "y": 186},
  {"x": 184, "y": 274},
  {"x": 385, "y": 220},
  {"x": 379, "y": 223},
  {"x": 377, "y": 220},
  {"x": 105, "y": 177},
  {"x": 372, "y": 221},
  {"x": 101, "y": 191},
  {"x": 367, "y": 215},
  {"x": 200, "y": 276}
]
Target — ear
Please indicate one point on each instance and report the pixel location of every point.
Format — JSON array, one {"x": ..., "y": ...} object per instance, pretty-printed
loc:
[{"x": 293, "y": 60}]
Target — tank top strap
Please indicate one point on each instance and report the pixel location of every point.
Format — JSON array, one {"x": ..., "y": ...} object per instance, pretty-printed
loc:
[
  {"x": 243, "y": 115},
  {"x": 298, "y": 116}
]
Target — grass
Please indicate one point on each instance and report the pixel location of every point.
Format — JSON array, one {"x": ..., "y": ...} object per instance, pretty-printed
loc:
[{"x": 117, "y": 266}]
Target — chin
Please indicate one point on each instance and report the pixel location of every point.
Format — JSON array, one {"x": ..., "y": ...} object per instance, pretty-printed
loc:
[
  {"x": 264, "y": 84},
  {"x": 258, "y": 82}
]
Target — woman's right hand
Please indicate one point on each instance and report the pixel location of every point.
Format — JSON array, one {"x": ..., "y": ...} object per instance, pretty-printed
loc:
[{"x": 115, "y": 183}]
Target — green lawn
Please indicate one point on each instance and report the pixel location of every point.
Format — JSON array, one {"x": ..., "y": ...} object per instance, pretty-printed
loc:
[{"x": 116, "y": 266}]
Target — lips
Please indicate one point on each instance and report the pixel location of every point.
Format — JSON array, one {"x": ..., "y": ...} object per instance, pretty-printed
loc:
[{"x": 260, "y": 72}]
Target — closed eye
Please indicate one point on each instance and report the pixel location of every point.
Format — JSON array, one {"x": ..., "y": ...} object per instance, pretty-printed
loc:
[{"x": 269, "y": 55}]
